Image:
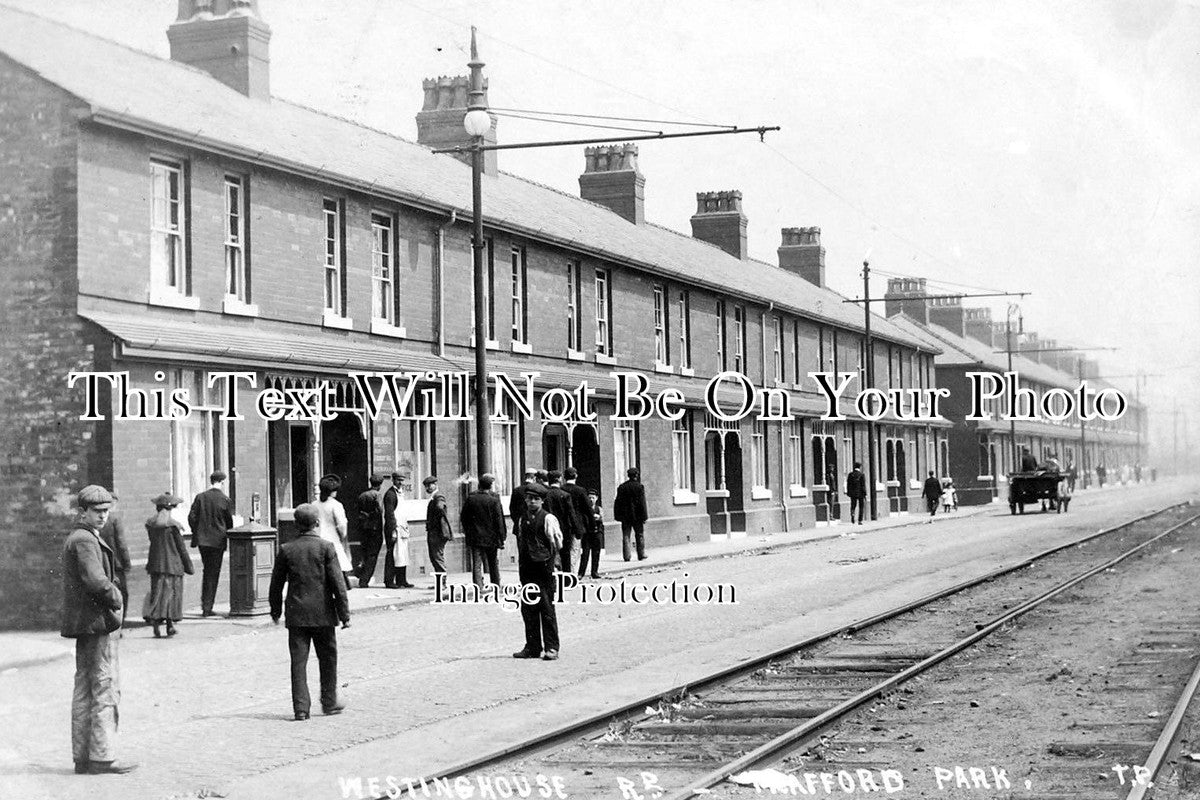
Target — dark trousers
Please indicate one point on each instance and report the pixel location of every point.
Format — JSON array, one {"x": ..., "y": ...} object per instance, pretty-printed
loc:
[
  {"x": 856, "y": 504},
  {"x": 210, "y": 558},
  {"x": 541, "y": 623},
  {"x": 325, "y": 641},
  {"x": 369, "y": 543},
  {"x": 589, "y": 550},
  {"x": 389, "y": 559},
  {"x": 931, "y": 503},
  {"x": 564, "y": 555},
  {"x": 481, "y": 558},
  {"x": 123, "y": 587},
  {"x": 437, "y": 555},
  {"x": 636, "y": 527}
]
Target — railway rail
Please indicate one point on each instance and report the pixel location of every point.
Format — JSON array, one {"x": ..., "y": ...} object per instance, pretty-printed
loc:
[{"x": 694, "y": 737}]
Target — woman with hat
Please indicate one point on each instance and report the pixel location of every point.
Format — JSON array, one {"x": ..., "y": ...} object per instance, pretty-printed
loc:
[
  {"x": 167, "y": 563},
  {"x": 333, "y": 526}
]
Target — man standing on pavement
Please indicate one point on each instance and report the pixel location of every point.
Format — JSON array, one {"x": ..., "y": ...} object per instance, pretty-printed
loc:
[
  {"x": 516, "y": 503},
  {"x": 559, "y": 503},
  {"x": 113, "y": 534},
  {"x": 437, "y": 527},
  {"x": 856, "y": 490},
  {"x": 482, "y": 524},
  {"x": 370, "y": 530},
  {"x": 210, "y": 519},
  {"x": 538, "y": 540},
  {"x": 395, "y": 576},
  {"x": 581, "y": 509},
  {"x": 629, "y": 509},
  {"x": 92, "y": 614},
  {"x": 316, "y": 599},
  {"x": 932, "y": 493}
]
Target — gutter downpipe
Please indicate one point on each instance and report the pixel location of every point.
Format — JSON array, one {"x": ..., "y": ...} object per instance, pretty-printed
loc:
[{"x": 441, "y": 282}]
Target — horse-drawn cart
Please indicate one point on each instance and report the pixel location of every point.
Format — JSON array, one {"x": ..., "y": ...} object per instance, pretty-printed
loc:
[{"x": 1031, "y": 487}]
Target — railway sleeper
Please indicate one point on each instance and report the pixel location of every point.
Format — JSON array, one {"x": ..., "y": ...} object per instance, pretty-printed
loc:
[
  {"x": 706, "y": 728},
  {"x": 751, "y": 711},
  {"x": 1132, "y": 751}
]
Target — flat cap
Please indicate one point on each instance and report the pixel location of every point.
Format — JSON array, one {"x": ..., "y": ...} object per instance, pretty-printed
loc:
[
  {"x": 535, "y": 490},
  {"x": 93, "y": 495},
  {"x": 167, "y": 499},
  {"x": 429, "y": 480},
  {"x": 307, "y": 517}
]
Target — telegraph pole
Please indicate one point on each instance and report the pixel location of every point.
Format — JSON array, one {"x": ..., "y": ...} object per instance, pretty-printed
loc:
[{"x": 869, "y": 352}]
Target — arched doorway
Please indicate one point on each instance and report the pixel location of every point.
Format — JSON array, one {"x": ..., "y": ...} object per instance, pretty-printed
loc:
[
  {"x": 735, "y": 504},
  {"x": 585, "y": 456}
]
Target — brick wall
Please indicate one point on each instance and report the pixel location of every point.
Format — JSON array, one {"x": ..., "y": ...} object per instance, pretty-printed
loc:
[{"x": 47, "y": 456}]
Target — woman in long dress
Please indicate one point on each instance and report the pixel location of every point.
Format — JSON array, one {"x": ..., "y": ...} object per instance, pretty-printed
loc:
[
  {"x": 333, "y": 522},
  {"x": 167, "y": 563}
]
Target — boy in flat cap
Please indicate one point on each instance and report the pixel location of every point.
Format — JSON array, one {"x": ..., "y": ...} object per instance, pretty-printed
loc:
[
  {"x": 539, "y": 539},
  {"x": 92, "y": 613},
  {"x": 437, "y": 527},
  {"x": 316, "y": 600}
]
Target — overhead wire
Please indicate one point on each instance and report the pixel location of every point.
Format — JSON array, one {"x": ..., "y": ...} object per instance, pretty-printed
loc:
[{"x": 575, "y": 124}]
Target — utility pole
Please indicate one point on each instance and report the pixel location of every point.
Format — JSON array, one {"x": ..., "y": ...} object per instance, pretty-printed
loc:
[
  {"x": 868, "y": 349},
  {"x": 1012, "y": 412}
]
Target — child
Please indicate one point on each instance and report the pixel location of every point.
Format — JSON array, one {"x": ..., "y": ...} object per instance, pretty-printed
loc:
[
  {"x": 592, "y": 540},
  {"x": 949, "y": 496}
]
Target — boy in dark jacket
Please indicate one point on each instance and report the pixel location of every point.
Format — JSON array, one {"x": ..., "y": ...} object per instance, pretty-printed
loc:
[{"x": 316, "y": 600}]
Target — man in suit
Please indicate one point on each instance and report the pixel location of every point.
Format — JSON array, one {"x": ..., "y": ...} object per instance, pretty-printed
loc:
[
  {"x": 210, "y": 519},
  {"x": 370, "y": 530},
  {"x": 437, "y": 526},
  {"x": 932, "y": 493},
  {"x": 394, "y": 576},
  {"x": 856, "y": 490},
  {"x": 113, "y": 534},
  {"x": 516, "y": 503},
  {"x": 538, "y": 540},
  {"x": 629, "y": 509},
  {"x": 559, "y": 503},
  {"x": 482, "y": 526},
  {"x": 92, "y": 613},
  {"x": 581, "y": 508},
  {"x": 316, "y": 600}
]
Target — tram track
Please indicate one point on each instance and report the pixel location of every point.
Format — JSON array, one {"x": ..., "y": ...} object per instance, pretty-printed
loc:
[{"x": 695, "y": 735}]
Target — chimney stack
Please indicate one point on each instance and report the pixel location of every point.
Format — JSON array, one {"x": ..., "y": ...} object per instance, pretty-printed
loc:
[
  {"x": 978, "y": 324},
  {"x": 719, "y": 220},
  {"x": 1000, "y": 336},
  {"x": 227, "y": 39},
  {"x": 948, "y": 312},
  {"x": 907, "y": 295},
  {"x": 801, "y": 252},
  {"x": 1049, "y": 359},
  {"x": 611, "y": 178},
  {"x": 440, "y": 120}
]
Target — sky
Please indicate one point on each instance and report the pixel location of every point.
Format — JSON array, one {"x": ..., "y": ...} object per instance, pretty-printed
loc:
[{"x": 1049, "y": 148}]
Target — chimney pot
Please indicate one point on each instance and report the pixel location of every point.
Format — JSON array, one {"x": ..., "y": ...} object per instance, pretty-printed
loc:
[
  {"x": 719, "y": 220},
  {"x": 227, "y": 39},
  {"x": 611, "y": 178},
  {"x": 800, "y": 251},
  {"x": 440, "y": 120}
]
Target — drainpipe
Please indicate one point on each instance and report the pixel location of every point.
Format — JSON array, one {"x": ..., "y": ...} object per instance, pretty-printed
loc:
[
  {"x": 782, "y": 434},
  {"x": 441, "y": 283}
]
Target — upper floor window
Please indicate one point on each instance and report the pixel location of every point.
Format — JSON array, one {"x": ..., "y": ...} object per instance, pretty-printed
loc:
[
  {"x": 519, "y": 332},
  {"x": 335, "y": 258},
  {"x": 383, "y": 269},
  {"x": 739, "y": 339},
  {"x": 574, "y": 315},
  {"x": 721, "y": 343},
  {"x": 681, "y": 452},
  {"x": 237, "y": 269},
  {"x": 758, "y": 454},
  {"x": 604, "y": 337},
  {"x": 777, "y": 353},
  {"x": 685, "y": 329},
  {"x": 661, "y": 353},
  {"x": 168, "y": 227}
]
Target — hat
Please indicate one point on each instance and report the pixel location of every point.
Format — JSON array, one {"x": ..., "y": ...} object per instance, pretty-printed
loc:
[
  {"x": 429, "y": 480},
  {"x": 93, "y": 496},
  {"x": 593, "y": 491},
  {"x": 217, "y": 476},
  {"x": 535, "y": 490},
  {"x": 397, "y": 477},
  {"x": 330, "y": 483},
  {"x": 306, "y": 517},
  {"x": 167, "y": 499},
  {"x": 531, "y": 472}
]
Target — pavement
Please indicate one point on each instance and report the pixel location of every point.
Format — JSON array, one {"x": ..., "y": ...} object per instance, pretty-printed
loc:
[{"x": 208, "y": 712}]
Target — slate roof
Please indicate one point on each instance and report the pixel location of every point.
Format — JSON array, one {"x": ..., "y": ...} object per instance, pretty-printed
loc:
[{"x": 131, "y": 89}]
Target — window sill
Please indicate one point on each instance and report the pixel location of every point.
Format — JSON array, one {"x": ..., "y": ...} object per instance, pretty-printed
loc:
[
  {"x": 382, "y": 327},
  {"x": 665, "y": 369},
  {"x": 820, "y": 487},
  {"x": 717, "y": 493},
  {"x": 575, "y": 355},
  {"x": 759, "y": 493},
  {"x": 601, "y": 358},
  {"x": 914, "y": 484},
  {"x": 522, "y": 347},
  {"x": 233, "y": 305},
  {"x": 685, "y": 497},
  {"x": 687, "y": 372},
  {"x": 797, "y": 490},
  {"x": 984, "y": 478},
  {"x": 892, "y": 484},
  {"x": 172, "y": 299},
  {"x": 331, "y": 320}
]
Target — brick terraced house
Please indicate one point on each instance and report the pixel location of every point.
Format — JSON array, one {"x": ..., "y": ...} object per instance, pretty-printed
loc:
[{"x": 168, "y": 218}]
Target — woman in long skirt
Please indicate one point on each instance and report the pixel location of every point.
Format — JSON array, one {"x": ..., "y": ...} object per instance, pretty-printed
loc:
[
  {"x": 167, "y": 563},
  {"x": 333, "y": 522}
]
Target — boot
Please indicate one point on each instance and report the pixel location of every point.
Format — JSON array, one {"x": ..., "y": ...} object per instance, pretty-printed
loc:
[
  {"x": 154, "y": 624},
  {"x": 402, "y": 578},
  {"x": 171, "y": 628}
]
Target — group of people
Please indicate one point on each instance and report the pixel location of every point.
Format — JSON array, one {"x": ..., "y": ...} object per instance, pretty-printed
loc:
[{"x": 934, "y": 492}]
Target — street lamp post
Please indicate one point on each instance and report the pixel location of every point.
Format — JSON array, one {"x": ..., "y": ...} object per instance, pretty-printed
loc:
[
  {"x": 477, "y": 123},
  {"x": 1012, "y": 412},
  {"x": 869, "y": 357}
]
